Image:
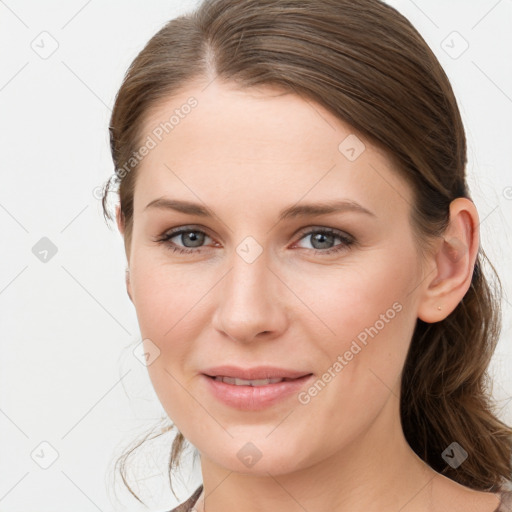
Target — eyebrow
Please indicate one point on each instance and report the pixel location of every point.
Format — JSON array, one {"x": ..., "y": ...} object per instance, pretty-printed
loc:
[{"x": 297, "y": 210}]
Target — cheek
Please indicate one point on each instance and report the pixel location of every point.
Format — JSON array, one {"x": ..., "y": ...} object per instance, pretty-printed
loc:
[
  {"x": 166, "y": 296},
  {"x": 170, "y": 302},
  {"x": 348, "y": 301},
  {"x": 366, "y": 320}
]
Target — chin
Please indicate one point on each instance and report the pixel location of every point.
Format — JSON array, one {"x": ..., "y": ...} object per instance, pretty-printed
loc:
[{"x": 258, "y": 457}]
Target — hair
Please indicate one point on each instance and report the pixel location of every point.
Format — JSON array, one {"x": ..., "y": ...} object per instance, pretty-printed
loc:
[{"x": 366, "y": 64}]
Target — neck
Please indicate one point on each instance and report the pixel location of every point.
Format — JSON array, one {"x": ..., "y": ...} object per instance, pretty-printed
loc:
[{"x": 378, "y": 471}]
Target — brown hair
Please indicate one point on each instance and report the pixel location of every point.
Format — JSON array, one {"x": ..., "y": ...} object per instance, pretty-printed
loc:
[{"x": 368, "y": 65}]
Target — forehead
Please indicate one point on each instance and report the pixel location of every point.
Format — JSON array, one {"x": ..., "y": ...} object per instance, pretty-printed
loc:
[{"x": 261, "y": 145}]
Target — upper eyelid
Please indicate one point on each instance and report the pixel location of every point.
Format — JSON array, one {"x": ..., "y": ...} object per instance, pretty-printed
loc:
[
  {"x": 171, "y": 233},
  {"x": 309, "y": 229}
]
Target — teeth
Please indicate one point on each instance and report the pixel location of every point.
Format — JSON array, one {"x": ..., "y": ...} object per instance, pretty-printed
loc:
[{"x": 243, "y": 382}]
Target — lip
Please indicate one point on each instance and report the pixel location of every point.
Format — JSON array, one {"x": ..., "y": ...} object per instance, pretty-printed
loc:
[
  {"x": 254, "y": 398},
  {"x": 254, "y": 373}
]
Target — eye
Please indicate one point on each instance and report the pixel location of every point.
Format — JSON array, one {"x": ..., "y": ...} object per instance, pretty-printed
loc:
[
  {"x": 187, "y": 236},
  {"x": 323, "y": 240}
]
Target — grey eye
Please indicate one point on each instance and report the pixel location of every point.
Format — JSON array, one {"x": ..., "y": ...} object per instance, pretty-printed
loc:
[
  {"x": 322, "y": 240},
  {"x": 192, "y": 238}
]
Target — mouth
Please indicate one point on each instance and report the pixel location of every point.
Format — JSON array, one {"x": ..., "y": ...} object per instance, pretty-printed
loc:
[{"x": 256, "y": 388}]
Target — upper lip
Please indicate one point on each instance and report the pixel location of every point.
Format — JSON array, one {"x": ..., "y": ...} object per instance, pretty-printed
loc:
[{"x": 254, "y": 373}]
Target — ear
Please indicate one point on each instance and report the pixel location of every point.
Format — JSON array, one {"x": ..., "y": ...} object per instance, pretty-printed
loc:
[
  {"x": 120, "y": 226},
  {"x": 453, "y": 263}
]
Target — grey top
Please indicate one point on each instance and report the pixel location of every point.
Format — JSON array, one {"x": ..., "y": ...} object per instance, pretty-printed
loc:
[{"x": 504, "y": 506}]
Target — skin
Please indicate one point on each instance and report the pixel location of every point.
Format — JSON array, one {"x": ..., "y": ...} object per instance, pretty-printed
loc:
[{"x": 246, "y": 155}]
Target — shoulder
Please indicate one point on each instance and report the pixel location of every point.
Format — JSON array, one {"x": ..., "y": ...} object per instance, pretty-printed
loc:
[
  {"x": 506, "y": 502},
  {"x": 187, "y": 505}
]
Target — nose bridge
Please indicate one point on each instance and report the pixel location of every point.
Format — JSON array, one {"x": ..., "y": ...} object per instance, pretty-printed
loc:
[{"x": 249, "y": 302}]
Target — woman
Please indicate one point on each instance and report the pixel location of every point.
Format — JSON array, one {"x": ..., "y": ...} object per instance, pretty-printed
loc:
[{"x": 304, "y": 260}]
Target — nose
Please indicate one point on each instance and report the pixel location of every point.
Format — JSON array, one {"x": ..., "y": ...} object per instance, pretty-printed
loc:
[{"x": 251, "y": 302}]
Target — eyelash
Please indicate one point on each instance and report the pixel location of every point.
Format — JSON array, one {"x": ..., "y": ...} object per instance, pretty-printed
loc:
[{"x": 346, "y": 240}]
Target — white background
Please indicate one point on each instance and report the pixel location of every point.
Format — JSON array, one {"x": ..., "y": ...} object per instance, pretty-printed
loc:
[{"x": 67, "y": 373}]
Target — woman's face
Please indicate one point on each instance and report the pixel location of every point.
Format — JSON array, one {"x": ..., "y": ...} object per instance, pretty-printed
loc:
[{"x": 288, "y": 246}]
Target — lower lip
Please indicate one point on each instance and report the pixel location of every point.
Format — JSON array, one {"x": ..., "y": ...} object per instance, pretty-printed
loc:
[{"x": 255, "y": 398}]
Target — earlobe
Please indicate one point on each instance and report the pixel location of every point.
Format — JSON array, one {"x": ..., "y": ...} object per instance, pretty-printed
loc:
[
  {"x": 120, "y": 219},
  {"x": 453, "y": 263},
  {"x": 121, "y": 226},
  {"x": 128, "y": 284}
]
